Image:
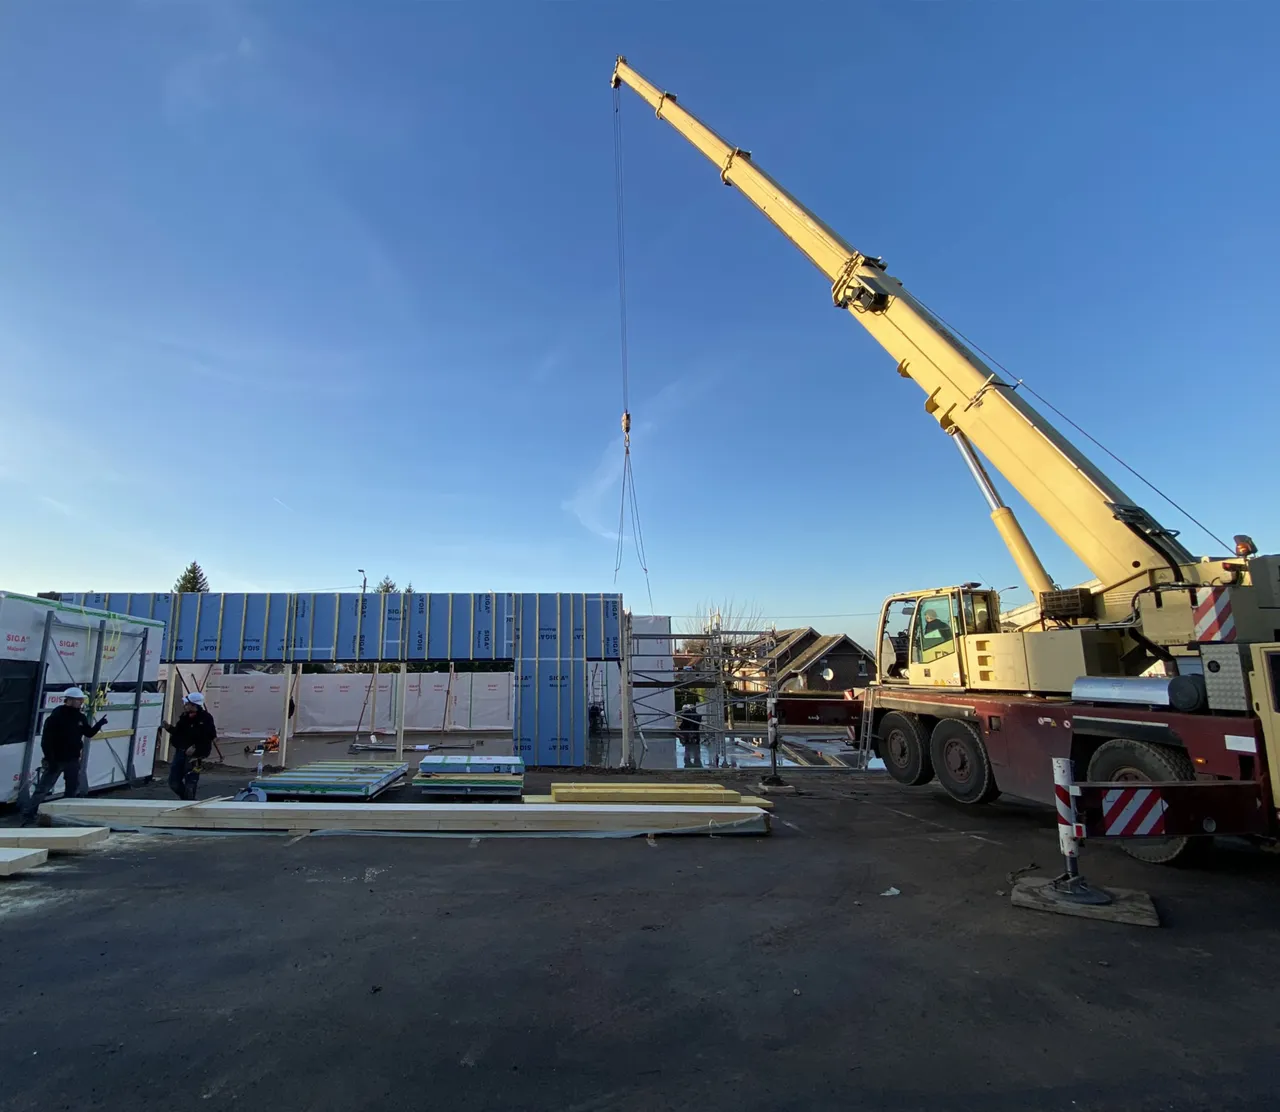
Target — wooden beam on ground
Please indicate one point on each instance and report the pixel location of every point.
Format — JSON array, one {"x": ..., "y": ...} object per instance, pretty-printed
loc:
[
  {"x": 454, "y": 818},
  {"x": 637, "y": 793},
  {"x": 20, "y": 860},
  {"x": 631, "y": 785},
  {"x": 61, "y": 839},
  {"x": 792, "y": 754},
  {"x": 757, "y": 801},
  {"x": 745, "y": 801}
]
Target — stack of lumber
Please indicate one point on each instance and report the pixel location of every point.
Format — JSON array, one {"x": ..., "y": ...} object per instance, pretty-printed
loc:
[
  {"x": 648, "y": 793},
  {"x": 28, "y": 847},
  {"x": 13, "y": 860},
  {"x": 426, "y": 818},
  {"x": 447, "y": 774},
  {"x": 54, "y": 840}
]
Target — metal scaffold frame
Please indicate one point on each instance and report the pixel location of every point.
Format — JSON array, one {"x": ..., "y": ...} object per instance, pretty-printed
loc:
[
  {"x": 735, "y": 671},
  {"x": 116, "y": 675}
]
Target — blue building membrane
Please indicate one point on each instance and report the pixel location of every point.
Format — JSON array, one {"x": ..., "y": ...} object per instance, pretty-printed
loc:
[{"x": 548, "y": 637}]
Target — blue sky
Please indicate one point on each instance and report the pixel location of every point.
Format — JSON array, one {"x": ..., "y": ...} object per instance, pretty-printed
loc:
[{"x": 296, "y": 288}]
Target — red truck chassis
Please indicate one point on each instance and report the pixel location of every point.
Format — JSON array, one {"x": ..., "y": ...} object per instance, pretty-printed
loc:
[{"x": 1022, "y": 734}]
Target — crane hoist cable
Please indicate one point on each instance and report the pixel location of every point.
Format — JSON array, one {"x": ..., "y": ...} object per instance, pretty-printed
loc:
[
  {"x": 628, "y": 475},
  {"x": 1018, "y": 382}
]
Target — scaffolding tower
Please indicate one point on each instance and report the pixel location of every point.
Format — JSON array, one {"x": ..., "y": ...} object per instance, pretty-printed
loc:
[{"x": 730, "y": 680}]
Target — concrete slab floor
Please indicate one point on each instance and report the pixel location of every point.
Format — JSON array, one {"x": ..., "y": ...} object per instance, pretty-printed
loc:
[{"x": 700, "y": 973}]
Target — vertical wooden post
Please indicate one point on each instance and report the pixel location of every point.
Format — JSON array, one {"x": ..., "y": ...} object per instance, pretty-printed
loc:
[
  {"x": 288, "y": 673},
  {"x": 403, "y": 692},
  {"x": 625, "y": 671}
]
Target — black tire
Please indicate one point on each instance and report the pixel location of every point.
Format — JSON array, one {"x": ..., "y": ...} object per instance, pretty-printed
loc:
[
  {"x": 960, "y": 762},
  {"x": 904, "y": 750},
  {"x": 1123, "y": 759}
]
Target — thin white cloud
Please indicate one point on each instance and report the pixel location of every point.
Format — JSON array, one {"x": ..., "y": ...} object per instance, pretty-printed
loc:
[
  {"x": 546, "y": 366},
  {"x": 597, "y": 500},
  {"x": 589, "y": 502},
  {"x": 60, "y": 507},
  {"x": 215, "y": 70}
]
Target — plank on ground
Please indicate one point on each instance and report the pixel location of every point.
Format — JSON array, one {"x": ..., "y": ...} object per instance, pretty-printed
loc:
[
  {"x": 630, "y": 785},
  {"x": 462, "y": 818},
  {"x": 59, "y": 839},
  {"x": 655, "y": 794},
  {"x": 13, "y": 860},
  {"x": 745, "y": 801}
]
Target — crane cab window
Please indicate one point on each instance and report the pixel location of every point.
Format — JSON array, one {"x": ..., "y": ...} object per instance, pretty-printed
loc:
[
  {"x": 978, "y": 609},
  {"x": 934, "y": 633}
]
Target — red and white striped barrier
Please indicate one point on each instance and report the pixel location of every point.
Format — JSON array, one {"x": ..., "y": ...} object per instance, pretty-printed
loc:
[
  {"x": 1133, "y": 812},
  {"x": 1070, "y": 887},
  {"x": 1069, "y": 828}
]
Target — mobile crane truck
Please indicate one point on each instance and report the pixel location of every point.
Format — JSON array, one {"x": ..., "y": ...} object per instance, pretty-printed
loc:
[{"x": 1162, "y": 681}]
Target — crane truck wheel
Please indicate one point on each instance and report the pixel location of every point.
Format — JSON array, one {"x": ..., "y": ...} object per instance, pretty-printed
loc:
[
  {"x": 904, "y": 750},
  {"x": 1122, "y": 759},
  {"x": 961, "y": 763}
]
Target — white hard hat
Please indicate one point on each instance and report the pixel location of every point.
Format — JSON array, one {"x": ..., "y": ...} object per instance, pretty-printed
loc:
[
  {"x": 73, "y": 693},
  {"x": 195, "y": 699}
]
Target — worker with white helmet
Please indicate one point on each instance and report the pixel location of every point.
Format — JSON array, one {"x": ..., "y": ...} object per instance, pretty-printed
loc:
[
  {"x": 62, "y": 745},
  {"x": 192, "y": 738},
  {"x": 689, "y": 727}
]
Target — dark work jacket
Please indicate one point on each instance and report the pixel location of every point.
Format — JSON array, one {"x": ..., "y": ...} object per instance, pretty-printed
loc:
[
  {"x": 194, "y": 731},
  {"x": 64, "y": 732}
]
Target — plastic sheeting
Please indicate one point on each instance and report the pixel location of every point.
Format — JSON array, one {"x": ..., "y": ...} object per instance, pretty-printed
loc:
[
  {"x": 73, "y": 652},
  {"x": 338, "y": 702},
  {"x": 246, "y": 706},
  {"x": 651, "y": 661},
  {"x": 253, "y": 705}
]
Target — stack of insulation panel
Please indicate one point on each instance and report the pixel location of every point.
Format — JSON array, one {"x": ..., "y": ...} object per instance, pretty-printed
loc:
[
  {"x": 463, "y": 774},
  {"x": 332, "y": 780}
]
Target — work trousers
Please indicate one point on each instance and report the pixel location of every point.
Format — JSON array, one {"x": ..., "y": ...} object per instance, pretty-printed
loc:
[
  {"x": 184, "y": 774},
  {"x": 692, "y": 742},
  {"x": 49, "y": 773}
]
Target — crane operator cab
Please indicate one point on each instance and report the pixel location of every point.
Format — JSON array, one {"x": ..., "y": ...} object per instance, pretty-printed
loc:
[{"x": 920, "y": 634}]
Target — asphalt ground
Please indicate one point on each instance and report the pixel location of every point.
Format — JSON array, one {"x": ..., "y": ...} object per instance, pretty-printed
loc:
[{"x": 772, "y": 973}]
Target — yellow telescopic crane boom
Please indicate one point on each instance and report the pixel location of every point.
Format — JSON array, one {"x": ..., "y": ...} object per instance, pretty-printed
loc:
[{"x": 1117, "y": 540}]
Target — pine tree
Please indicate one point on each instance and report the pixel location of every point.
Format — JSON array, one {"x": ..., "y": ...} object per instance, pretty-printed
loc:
[
  {"x": 387, "y": 586},
  {"x": 192, "y": 580}
]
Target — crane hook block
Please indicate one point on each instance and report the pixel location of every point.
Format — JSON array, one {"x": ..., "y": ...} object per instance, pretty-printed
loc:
[{"x": 626, "y": 423}]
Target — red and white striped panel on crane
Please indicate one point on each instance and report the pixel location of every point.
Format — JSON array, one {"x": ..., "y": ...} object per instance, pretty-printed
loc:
[
  {"x": 1213, "y": 617},
  {"x": 1133, "y": 812}
]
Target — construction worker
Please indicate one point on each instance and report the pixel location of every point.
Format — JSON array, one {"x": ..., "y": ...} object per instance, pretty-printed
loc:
[
  {"x": 192, "y": 738},
  {"x": 62, "y": 745},
  {"x": 935, "y": 627},
  {"x": 689, "y": 726}
]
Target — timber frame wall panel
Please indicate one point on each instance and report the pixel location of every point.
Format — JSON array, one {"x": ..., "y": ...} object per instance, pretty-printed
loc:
[{"x": 549, "y": 638}]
